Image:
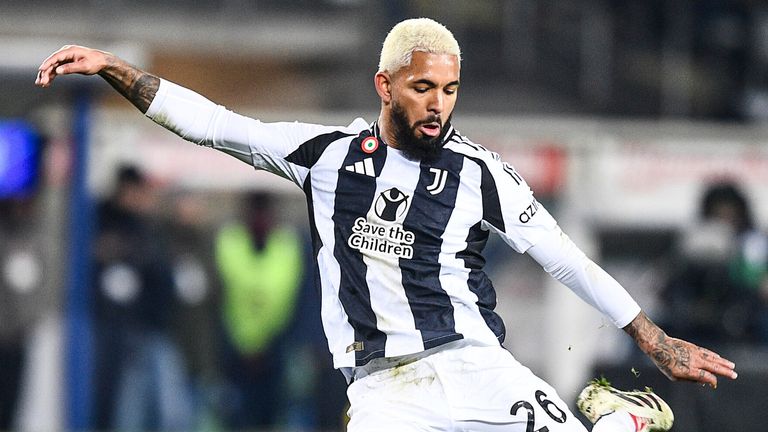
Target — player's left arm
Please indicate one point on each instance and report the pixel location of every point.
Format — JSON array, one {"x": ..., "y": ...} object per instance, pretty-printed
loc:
[
  {"x": 532, "y": 230},
  {"x": 676, "y": 358}
]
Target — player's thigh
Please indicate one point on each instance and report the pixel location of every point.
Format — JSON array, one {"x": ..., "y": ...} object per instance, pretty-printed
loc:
[
  {"x": 538, "y": 409},
  {"x": 538, "y": 405},
  {"x": 490, "y": 391},
  {"x": 408, "y": 400}
]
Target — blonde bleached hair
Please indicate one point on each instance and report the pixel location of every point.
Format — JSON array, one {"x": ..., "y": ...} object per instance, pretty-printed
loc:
[{"x": 417, "y": 34}]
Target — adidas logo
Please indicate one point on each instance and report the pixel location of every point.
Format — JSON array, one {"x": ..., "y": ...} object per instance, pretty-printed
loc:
[{"x": 364, "y": 166}]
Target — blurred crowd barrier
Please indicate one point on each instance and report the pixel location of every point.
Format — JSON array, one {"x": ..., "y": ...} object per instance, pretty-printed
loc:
[{"x": 181, "y": 231}]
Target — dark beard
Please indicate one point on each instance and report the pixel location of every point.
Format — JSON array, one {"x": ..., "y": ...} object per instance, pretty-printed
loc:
[{"x": 415, "y": 148}]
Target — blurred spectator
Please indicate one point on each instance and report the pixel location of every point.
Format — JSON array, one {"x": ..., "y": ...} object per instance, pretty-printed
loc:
[
  {"x": 261, "y": 266},
  {"x": 140, "y": 381},
  {"x": 315, "y": 393},
  {"x": 23, "y": 294},
  {"x": 197, "y": 303},
  {"x": 719, "y": 290}
]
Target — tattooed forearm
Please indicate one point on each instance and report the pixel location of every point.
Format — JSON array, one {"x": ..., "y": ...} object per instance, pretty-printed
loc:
[
  {"x": 671, "y": 355},
  {"x": 644, "y": 331},
  {"x": 137, "y": 86}
]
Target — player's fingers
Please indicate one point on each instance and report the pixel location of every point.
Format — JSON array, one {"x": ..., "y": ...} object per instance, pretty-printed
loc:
[
  {"x": 711, "y": 355},
  {"x": 714, "y": 363},
  {"x": 63, "y": 54},
  {"x": 49, "y": 67},
  {"x": 706, "y": 378},
  {"x": 44, "y": 77},
  {"x": 69, "y": 68},
  {"x": 721, "y": 367},
  {"x": 46, "y": 73}
]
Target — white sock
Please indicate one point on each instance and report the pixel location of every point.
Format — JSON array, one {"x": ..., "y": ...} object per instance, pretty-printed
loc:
[{"x": 619, "y": 421}]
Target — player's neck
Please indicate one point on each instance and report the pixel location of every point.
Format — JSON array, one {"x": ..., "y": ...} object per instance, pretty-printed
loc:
[{"x": 386, "y": 130}]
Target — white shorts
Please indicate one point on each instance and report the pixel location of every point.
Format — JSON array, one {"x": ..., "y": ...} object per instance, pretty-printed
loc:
[{"x": 469, "y": 388}]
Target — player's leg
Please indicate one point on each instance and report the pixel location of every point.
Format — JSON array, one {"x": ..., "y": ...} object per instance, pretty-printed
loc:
[
  {"x": 489, "y": 391},
  {"x": 406, "y": 398},
  {"x": 484, "y": 389}
]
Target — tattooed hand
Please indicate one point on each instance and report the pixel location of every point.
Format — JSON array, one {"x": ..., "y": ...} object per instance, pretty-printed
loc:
[
  {"x": 137, "y": 86},
  {"x": 676, "y": 358}
]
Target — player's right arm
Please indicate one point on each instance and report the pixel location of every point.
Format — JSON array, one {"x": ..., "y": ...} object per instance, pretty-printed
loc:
[
  {"x": 190, "y": 115},
  {"x": 136, "y": 85}
]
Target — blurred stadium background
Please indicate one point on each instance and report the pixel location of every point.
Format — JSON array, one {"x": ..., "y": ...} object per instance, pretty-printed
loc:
[{"x": 619, "y": 114}]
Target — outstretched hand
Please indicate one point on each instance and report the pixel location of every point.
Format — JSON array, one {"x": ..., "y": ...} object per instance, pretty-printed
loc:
[
  {"x": 676, "y": 358},
  {"x": 71, "y": 59},
  {"x": 134, "y": 84},
  {"x": 679, "y": 359}
]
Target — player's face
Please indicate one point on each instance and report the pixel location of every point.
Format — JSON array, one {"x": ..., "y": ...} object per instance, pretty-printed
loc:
[{"x": 423, "y": 95}]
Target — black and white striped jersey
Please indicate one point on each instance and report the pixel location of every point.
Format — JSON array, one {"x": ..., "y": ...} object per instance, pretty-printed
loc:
[{"x": 398, "y": 243}]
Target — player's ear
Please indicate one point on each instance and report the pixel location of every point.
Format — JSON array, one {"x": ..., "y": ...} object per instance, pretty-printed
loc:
[{"x": 383, "y": 83}]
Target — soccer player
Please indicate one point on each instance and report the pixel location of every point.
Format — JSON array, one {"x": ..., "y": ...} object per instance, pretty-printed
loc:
[{"x": 400, "y": 210}]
